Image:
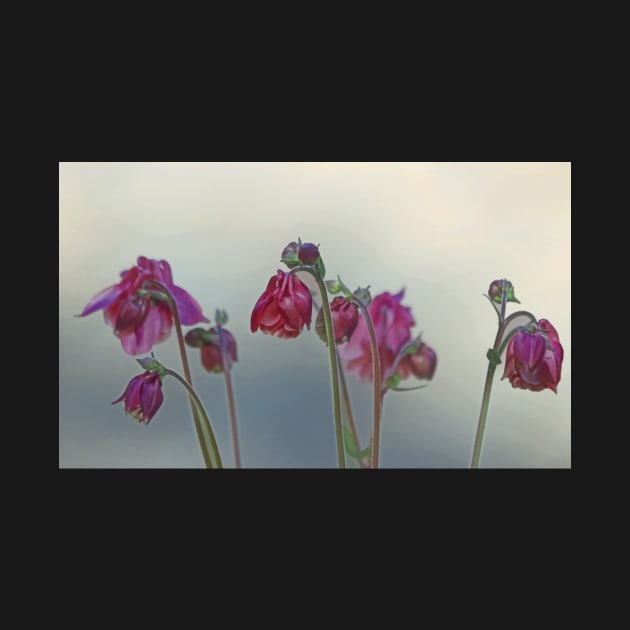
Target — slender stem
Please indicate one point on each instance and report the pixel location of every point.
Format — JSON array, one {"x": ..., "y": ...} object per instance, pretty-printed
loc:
[
  {"x": 207, "y": 427},
  {"x": 377, "y": 378},
  {"x": 227, "y": 370},
  {"x": 332, "y": 354},
  {"x": 481, "y": 426},
  {"x": 186, "y": 367},
  {"x": 346, "y": 399}
]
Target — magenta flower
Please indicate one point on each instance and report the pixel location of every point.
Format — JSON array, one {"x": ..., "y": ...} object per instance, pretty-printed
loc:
[
  {"x": 141, "y": 321},
  {"x": 345, "y": 317},
  {"x": 143, "y": 396},
  {"x": 392, "y": 326},
  {"x": 534, "y": 359},
  {"x": 421, "y": 363},
  {"x": 284, "y": 307},
  {"x": 210, "y": 345}
]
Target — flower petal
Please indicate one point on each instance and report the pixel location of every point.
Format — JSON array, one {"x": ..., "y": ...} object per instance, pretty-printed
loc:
[
  {"x": 188, "y": 308},
  {"x": 102, "y": 299}
]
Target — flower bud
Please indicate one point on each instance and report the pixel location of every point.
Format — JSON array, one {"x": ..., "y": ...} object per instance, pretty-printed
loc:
[
  {"x": 497, "y": 288},
  {"x": 345, "y": 317},
  {"x": 308, "y": 253},
  {"x": 289, "y": 255},
  {"x": 422, "y": 362}
]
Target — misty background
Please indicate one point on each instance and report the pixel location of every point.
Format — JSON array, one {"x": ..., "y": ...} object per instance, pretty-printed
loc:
[{"x": 441, "y": 231}]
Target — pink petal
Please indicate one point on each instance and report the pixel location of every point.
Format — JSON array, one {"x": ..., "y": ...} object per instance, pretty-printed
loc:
[
  {"x": 188, "y": 308},
  {"x": 102, "y": 299}
]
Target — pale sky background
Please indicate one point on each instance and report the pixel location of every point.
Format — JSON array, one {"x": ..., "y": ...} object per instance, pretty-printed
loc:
[{"x": 443, "y": 231}]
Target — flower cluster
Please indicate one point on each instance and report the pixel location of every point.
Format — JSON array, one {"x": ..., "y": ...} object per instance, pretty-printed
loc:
[{"x": 367, "y": 337}]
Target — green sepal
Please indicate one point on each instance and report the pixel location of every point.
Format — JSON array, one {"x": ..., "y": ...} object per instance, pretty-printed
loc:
[
  {"x": 319, "y": 268},
  {"x": 151, "y": 364},
  {"x": 333, "y": 286},
  {"x": 393, "y": 381}
]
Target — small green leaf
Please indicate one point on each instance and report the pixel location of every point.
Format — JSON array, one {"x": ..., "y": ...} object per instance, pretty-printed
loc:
[
  {"x": 366, "y": 452},
  {"x": 393, "y": 381},
  {"x": 493, "y": 357},
  {"x": 349, "y": 443}
]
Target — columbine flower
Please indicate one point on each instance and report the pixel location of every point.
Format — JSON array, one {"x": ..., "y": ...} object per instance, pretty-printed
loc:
[
  {"x": 534, "y": 359},
  {"x": 210, "y": 344},
  {"x": 345, "y": 317},
  {"x": 284, "y": 308},
  {"x": 143, "y": 396},
  {"x": 140, "y": 320},
  {"x": 421, "y": 363},
  {"x": 392, "y": 326}
]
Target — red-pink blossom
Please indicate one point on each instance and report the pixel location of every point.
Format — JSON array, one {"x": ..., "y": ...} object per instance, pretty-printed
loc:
[
  {"x": 210, "y": 345},
  {"x": 284, "y": 308},
  {"x": 534, "y": 359},
  {"x": 139, "y": 320},
  {"x": 143, "y": 396},
  {"x": 392, "y": 326}
]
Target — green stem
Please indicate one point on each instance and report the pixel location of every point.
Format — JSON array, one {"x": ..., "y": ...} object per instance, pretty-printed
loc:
[
  {"x": 227, "y": 370},
  {"x": 205, "y": 451},
  {"x": 332, "y": 354},
  {"x": 377, "y": 378},
  {"x": 346, "y": 399},
  {"x": 206, "y": 426},
  {"x": 481, "y": 426}
]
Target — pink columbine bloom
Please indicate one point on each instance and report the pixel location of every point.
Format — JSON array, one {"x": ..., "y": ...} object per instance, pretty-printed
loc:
[
  {"x": 143, "y": 396},
  {"x": 392, "y": 326},
  {"x": 140, "y": 321},
  {"x": 284, "y": 308},
  {"x": 534, "y": 359}
]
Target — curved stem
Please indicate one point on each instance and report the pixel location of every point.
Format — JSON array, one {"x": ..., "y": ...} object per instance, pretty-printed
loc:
[
  {"x": 205, "y": 451},
  {"x": 206, "y": 426},
  {"x": 227, "y": 370},
  {"x": 332, "y": 354},
  {"x": 377, "y": 378},
  {"x": 499, "y": 346}
]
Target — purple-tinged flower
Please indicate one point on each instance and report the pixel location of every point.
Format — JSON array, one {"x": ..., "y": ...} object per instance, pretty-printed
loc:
[
  {"x": 534, "y": 359},
  {"x": 210, "y": 344},
  {"x": 284, "y": 307},
  {"x": 143, "y": 396},
  {"x": 345, "y": 317},
  {"x": 139, "y": 319},
  {"x": 392, "y": 326}
]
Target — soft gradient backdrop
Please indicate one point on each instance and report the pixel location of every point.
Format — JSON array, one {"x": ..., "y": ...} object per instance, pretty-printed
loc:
[{"x": 443, "y": 231}]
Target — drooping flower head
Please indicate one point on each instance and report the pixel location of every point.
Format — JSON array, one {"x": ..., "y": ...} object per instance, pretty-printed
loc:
[
  {"x": 284, "y": 308},
  {"x": 209, "y": 342},
  {"x": 534, "y": 358},
  {"x": 392, "y": 326},
  {"x": 345, "y": 317},
  {"x": 140, "y": 320},
  {"x": 143, "y": 396}
]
